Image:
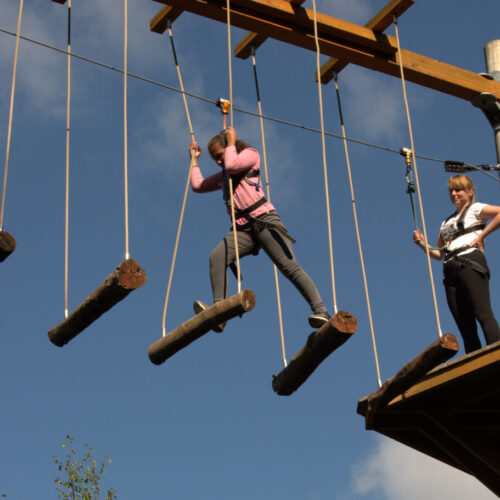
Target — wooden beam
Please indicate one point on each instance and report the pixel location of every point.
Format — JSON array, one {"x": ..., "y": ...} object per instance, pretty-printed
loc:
[
  {"x": 343, "y": 40},
  {"x": 380, "y": 22},
  {"x": 318, "y": 347},
  {"x": 160, "y": 21},
  {"x": 243, "y": 48},
  {"x": 127, "y": 277},
  {"x": 7, "y": 245},
  {"x": 438, "y": 352},
  {"x": 200, "y": 324}
]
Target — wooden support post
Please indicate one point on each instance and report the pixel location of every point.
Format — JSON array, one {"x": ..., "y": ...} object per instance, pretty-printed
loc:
[
  {"x": 318, "y": 346},
  {"x": 379, "y": 22},
  {"x": 160, "y": 21},
  {"x": 127, "y": 277},
  {"x": 200, "y": 324},
  {"x": 438, "y": 352},
  {"x": 7, "y": 245},
  {"x": 492, "y": 57}
]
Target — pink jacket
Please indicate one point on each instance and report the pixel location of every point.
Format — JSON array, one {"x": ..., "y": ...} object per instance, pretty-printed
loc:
[{"x": 246, "y": 193}]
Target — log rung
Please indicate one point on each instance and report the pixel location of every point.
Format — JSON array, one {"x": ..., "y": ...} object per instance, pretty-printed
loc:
[
  {"x": 7, "y": 245},
  {"x": 318, "y": 347},
  {"x": 127, "y": 277},
  {"x": 200, "y": 324}
]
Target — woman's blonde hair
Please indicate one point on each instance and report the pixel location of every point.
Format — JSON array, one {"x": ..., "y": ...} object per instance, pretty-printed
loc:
[{"x": 462, "y": 181}]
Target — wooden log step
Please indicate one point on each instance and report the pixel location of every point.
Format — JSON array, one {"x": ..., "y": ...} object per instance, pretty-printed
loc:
[
  {"x": 319, "y": 345},
  {"x": 200, "y": 324},
  {"x": 438, "y": 352},
  {"x": 7, "y": 245},
  {"x": 127, "y": 277}
]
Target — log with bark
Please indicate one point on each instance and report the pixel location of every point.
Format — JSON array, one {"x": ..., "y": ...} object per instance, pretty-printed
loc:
[
  {"x": 319, "y": 345},
  {"x": 7, "y": 245},
  {"x": 127, "y": 277},
  {"x": 200, "y": 324}
]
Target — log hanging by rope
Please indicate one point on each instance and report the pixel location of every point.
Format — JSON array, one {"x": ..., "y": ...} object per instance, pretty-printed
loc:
[
  {"x": 438, "y": 352},
  {"x": 318, "y": 347},
  {"x": 200, "y": 324},
  {"x": 7, "y": 245},
  {"x": 127, "y": 277}
]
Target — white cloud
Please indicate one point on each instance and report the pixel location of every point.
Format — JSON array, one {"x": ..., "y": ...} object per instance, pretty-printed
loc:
[{"x": 400, "y": 472}]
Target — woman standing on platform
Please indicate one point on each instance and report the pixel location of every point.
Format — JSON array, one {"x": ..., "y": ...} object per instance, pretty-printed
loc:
[
  {"x": 466, "y": 273},
  {"x": 258, "y": 223}
]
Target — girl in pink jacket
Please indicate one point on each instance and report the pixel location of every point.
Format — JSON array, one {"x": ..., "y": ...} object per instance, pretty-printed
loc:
[{"x": 258, "y": 224}]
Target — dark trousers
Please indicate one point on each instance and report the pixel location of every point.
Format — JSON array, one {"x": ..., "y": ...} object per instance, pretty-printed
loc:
[
  {"x": 276, "y": 246},
  {"x": 468, "y": 296}
]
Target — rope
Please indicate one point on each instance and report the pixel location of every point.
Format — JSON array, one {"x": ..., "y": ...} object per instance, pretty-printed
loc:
[
  {"x": 230, "y": 75},
  {"x": 66, "y": 220},
  {"x": 186, "y": 189},
  {"x": 11, "y": 110},
  {"x": 268, "y": 190},
  {"x": 125, "y": 135},
  {"x": 325, "y": 172},
  {"x": 415, "y": 169},
  {"x": 241, "y": 110},
  {"x": 360, "y": 248}
]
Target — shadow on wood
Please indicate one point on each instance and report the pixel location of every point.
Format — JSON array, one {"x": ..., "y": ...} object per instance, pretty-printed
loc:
[
  {"x": 127, "y": 277},
  {"x": 438, "y": 352},
  {"x": 318, "y": 346},
  {"x": 200, "y": 324},
  {"x": 7, "y": 245},
  {"x": 452, "y": 414}
]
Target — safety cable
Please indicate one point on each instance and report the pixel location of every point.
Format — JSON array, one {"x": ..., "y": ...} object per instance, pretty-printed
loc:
[
  {"x": 11, "y": 110},
  {"x": 186, "y": 189},
  {"x": 268, "y": 191},
  {"x": 125, "y": 127},
  {"x": 231, "y": 192},
  {"x": 415, "y": 169},
  {"x": 66, "y": 217},
  {"x": 239, "y": 110},
  {"x": 358, "y": 236},
  {"x": 323, "y": 147}
]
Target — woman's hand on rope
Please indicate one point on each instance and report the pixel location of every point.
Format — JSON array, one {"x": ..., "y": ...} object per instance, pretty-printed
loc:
[
  {"x": 194, "y": 150},
  {"x": 418, "y": 238},
  {"x": 231, "y": 136}
]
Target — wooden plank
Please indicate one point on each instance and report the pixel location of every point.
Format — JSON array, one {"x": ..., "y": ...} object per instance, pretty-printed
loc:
[
  {"x": 380, "y": 22},
  {"x": 7, "y": 245},
  {"x": 438, "y": 352},
  {"x": 318, "y": 347},
  {"x": 243, "y": 48},
  {"x": 200, "y": 324},
  {"x": 127, "y": 277},
  {"x": 346, "y": 41},
  {"x": 159, "y": 23}
]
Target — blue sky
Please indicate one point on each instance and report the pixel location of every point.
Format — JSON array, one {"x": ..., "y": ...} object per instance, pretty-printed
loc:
[{"x": 206, "y": 424}]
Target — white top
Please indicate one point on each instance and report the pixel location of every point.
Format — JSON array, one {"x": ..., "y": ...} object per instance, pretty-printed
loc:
[{"x": 449, "y": 226}]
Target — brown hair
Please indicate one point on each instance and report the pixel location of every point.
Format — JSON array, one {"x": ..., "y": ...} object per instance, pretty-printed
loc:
[
  {"x": 221, "y": 139},
  {"x": 462, "y": 181}
]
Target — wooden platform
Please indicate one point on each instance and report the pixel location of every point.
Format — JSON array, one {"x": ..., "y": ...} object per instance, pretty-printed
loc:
[{"x": 452, "y": 414}]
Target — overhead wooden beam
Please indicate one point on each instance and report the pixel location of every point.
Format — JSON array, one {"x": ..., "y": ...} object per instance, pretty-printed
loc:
[
  {"x": 160, "y": 21},
  {"x": 379, "y": 22},
  {"x": 347, "y": 41},
  {"x": 243, "y": 48}
]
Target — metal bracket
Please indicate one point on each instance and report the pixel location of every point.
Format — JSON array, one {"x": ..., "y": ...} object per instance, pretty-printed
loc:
[{"x": 490, "y": 106}]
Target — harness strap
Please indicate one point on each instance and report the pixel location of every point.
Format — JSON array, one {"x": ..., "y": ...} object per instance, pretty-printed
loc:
[
  {"x": 245, "y": 212},
  {"x": 464, "y": 261}
]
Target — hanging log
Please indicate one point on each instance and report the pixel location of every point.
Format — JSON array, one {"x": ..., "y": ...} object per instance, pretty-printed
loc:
[
  {"x": 200, "y": 324},
  {"x": 7, "y": 245},
  {"x": 319, "y": 345},
  {"x": 127, "y": 277},
  {"x": 438, "y": 352}
]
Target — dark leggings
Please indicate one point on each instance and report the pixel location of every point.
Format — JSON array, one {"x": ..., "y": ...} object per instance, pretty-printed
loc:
[
  {"x": 277, "y": 247},
  {"x": 468, "y": 296}
]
